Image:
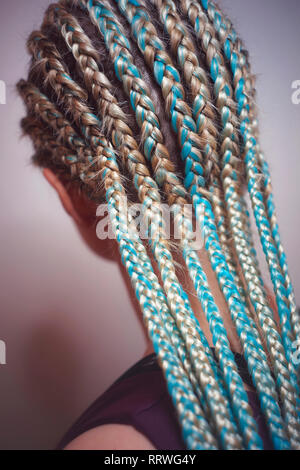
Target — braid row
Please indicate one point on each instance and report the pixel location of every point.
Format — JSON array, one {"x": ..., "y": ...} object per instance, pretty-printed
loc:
[
  {"x": 79, "y": 128},
  {"x": 256, "y": 166},
  {"x": 234, "y": 51},
  {"x": 203, "y": 114},
  {"x": 201, "y": 287},
  {"x": 167, "y": 76},
  {"x": 285, "y": 379},
  {"x": 255, "y": 163},
  {"x": 180, "y": 308},
  {"x": 195, "y": 428}
]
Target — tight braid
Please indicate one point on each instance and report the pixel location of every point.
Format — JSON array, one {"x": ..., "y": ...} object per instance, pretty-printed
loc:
[
  {"x": 286, "y": 383},
  {"x": 180, "y": 308},
  {"x": 196, "y": 431},
  {"x": 197, "y": 275},
  {"x": 253, "y": 173},
  {"x": 45, "y": 143},
  {"x": 242, "y": 80},
  {"x": 234, "y": 50},
  {"x": 101, "y": 89},
  {"x": 255, "y": 164},
  {"x": 80, "y": 130},
  {"x": 148, "y": 42},
  {"x": 203, "y": 114}
]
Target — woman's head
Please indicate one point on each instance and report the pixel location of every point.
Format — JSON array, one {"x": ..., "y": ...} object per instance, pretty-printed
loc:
[{"x": 154, "y": 102}]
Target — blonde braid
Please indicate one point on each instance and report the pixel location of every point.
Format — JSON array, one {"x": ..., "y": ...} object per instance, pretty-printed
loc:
[
  {"x": 210, "y": 398},
  {"x": 204, "y": 116},
  {"x": 196, "y": 430},
  {"x": 177, "y": 298},
  {"x": 148, "y": 42},
  {"x": 286, "y": 383},
  {"x": 190, "y": 261},
  {"x": 234, "y": 48}
]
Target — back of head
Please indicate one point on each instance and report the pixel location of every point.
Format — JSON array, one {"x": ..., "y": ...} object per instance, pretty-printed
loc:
[{"x": 154, "y": 100}]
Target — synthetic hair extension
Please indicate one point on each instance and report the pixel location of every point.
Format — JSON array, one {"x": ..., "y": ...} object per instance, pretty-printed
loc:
[
  {"x": 213, "y": 316},
  {"x": 242, "y": 77},
  {"x": 145, "y": 34},
  {"x": 287, "y": 384},
  {"x": 72, "y": 95},
  {"x": 135, "y": 259},
  {"x": 178, "y": 300},
  {"x": 80, "y": 128}
]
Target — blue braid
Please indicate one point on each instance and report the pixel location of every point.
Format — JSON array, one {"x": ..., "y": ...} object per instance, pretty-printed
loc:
[
  {"x": 194, "y": 179},
  {"x": 202, "y": 288}
]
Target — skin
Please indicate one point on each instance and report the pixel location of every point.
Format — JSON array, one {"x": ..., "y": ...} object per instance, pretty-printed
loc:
[{"x": 82, "y": 211}]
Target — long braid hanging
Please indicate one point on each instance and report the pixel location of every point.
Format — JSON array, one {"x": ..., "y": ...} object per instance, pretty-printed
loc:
[
  {"x": 240, "y": 79},
  {"x": 243, "y": 82},
  {"x": 195, "y": 429},
  {"x": 197, "y": 346},
  {"x": 287, "y": 384},
  {"x": 98, "y": 3},
  {"x": 209, "y": 397},
  {"x": 197, "y": 284},
  {"x": 235, "y": 53},
  {"x": 202, "y": 109},
  {"x": 145, "y": 34},
  {"x": 227, "y": 360},
  {"x": 204, "y": 116},
  {"x": 269, "y": 202},
  {"x": 100, "y": 88},
  {"x": 265, "y": 217}
]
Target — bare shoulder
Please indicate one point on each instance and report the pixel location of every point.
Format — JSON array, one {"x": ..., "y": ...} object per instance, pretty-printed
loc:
[{"x": 111, "y": 437}]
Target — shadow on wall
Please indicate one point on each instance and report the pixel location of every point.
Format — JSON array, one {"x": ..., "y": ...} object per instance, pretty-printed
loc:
[{"x": 53, "y": 368}]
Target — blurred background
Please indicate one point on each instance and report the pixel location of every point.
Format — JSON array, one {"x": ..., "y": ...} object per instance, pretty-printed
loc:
[{"x": 68, "y": 334}]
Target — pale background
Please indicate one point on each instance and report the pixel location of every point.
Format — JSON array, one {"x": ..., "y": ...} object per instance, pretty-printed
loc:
[{"x": 65, "y": 314}]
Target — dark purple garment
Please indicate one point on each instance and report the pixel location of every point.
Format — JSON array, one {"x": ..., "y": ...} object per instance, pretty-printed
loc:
[{"x": 140, "y": 398}]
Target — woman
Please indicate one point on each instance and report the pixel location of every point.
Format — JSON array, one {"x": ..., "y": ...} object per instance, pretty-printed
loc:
[{"x": 153, "y": 102}]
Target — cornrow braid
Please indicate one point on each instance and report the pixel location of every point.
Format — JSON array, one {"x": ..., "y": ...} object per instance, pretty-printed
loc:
[
  {"x": 210, "y": 308},
  {"x": 235, "y": 53},
  {"x": 203, "y": 114},
  {"x": 81, "y": 127},
  {"x": 147, "y": 40},
  {"x": 177, "y": 299},
  {"x": 285, "y": 375},
  {"x": 195, "y": 429}
]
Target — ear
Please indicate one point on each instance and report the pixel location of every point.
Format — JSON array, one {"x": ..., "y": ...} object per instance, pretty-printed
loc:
[{"x": 63, "y": 195}]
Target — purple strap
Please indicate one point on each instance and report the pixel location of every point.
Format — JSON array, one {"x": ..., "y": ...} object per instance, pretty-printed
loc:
[{"x": 140, "y": 398}]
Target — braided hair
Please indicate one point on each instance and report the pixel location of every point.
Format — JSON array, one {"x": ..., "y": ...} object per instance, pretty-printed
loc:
[{"x": 93, "y": 118}]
